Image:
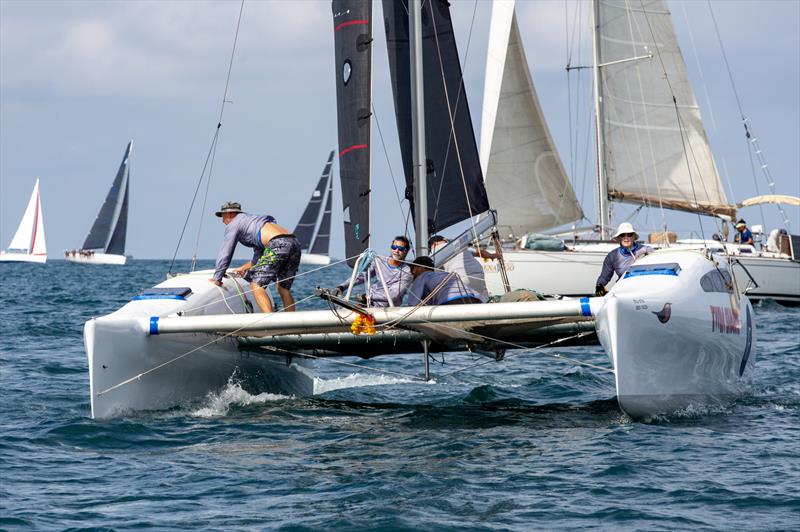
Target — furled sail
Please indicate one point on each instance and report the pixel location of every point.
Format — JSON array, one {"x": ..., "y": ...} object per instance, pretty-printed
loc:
[
  {"x": 321, "y": 243},
  {"x": 525, "y": 179},
  {"x": 304, "y": 230},
  {"x": 454, "y": 180},
  {"x": 29, "y": 237},
  {"x": 352, "y": 32},
  {"x": 656, "y": 150},
  {"x": 110, "y": 226}
]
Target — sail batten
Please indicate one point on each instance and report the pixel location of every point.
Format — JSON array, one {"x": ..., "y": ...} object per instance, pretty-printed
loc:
[
  {"x": 655, "y": 147},
  {"x": 109, "y": 228},
  {"x": 525, "y": 179}
]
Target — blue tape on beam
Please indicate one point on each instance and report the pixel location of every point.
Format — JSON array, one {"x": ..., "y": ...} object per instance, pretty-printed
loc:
[
  {"x": 153, "y": 325},
  {"x": 586, "y": 310},
  {"x": 142, "y": 297},
  {"x": 650, "y": 272}
]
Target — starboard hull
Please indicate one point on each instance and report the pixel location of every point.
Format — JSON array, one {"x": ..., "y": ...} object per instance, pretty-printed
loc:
[
  {"x": 130, "y": 370},
  {"x": 23, "y": 257},
  {"x": 672, "y": 344},
  {"x": 96, "y": 258}
]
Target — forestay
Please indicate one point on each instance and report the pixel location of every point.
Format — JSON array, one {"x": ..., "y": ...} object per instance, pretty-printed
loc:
[
  {"x": 525, "y": 180},
  {"x": 656, "y": 150}
]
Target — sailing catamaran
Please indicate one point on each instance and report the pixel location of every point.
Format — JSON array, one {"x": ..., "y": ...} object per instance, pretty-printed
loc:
[
  {"x": 314, "y": 230},
  {"x": 28, "y": 244},
  {"x": 186, "y": 337},
  {"x": 105, "y": 243},
  {"x": 642, "y": 142}
]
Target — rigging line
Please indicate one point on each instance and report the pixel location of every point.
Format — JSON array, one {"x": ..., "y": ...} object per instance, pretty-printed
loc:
[
  {"x": 212, "y": 148},
  {"x": 187, "y": 353},
  {"x": 388, "y": 162}
]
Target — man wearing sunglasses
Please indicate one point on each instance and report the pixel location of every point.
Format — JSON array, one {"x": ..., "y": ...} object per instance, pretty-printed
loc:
[
  {"x": 396, "y": 273},
  {"x": 620, "y": 259}
]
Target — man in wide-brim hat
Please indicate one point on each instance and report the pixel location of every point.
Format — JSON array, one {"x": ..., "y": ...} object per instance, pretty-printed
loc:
[
  {"x": 276, "y": 254},
  {"x": 619, "y": 260}
]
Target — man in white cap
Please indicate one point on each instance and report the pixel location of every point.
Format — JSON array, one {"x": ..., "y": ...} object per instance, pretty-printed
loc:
[
  {"x": 744, "y": 236},
  {"x": 276, "y": 254},
  {"x": 620, "y": 259}
]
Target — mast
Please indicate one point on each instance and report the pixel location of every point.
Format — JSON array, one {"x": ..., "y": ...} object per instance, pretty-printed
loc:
[
  {"x": 603, "y": 220},
  {"x": 418, "y": 128}
]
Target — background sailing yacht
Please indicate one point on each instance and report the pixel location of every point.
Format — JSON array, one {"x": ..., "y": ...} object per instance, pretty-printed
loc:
[
  {"x": 314, "y": 230},
  {"x": 28, "y": 244},
  {"x": 105, "y": 243},
  {"x": 651, "y": 150}
]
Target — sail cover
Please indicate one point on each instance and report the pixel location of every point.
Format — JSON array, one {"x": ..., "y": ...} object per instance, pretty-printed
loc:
[
  {"x": 29, "y": 237},
  {"x": 525, "y": 179},
  {"x": 352, "y": 32},
  {"x": 304, "y": 231},
  {"x": 108, "y": 231},
  {"x": 656, "y": 149},
  {"x": 454, "y": 180},
  {"x": 321, "y": 243}
]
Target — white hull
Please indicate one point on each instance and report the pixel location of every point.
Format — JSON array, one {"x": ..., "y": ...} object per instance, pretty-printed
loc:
[
  {"x": 177, "y": 369},
  {"x": 22, "y": 257},
  {"x": 96, "y": 258},
  {"x": 315, "y": 259},
  {"x": 574, "y": 273},
  {"x": 672, "y": 344}
]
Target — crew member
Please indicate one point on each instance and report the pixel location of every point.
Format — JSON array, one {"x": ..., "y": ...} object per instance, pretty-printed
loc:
[
  {"x": 744, "y": 236},
  {"x": 446, "y": 287},
  {"x": 276, "y": 254},
  {"x": 620, "y": 259},
  {"x": 465, "y": 265},
  {"x": 395, "y": 272}
]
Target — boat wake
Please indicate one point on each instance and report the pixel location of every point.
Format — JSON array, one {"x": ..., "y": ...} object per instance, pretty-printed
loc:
[
  {"x": 233, "y": 395},
  {"x": 356, "y": 380}
]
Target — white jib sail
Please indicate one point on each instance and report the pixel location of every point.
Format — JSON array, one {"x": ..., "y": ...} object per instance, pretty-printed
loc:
[
  {"x": 525, "y": 180},
  {"x": 30, "y": 233},
  {"x": 656, "y": 149}
]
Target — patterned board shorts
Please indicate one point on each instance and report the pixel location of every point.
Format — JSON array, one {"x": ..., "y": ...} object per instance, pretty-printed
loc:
[{"x": 278, "y": 263}]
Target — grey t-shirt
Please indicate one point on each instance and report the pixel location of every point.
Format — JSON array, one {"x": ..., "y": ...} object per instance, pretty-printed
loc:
[
  {"x": 244, "y": 229},
  {"x": 426, "y": 282},
  {"x": 398, "y": 279}
]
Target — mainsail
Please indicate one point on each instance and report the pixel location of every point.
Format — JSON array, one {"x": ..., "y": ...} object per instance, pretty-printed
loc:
[
  {"x": 29, "y": 237},
  {"x": 525, "y": 179},
  {"x": 305, "y": 229},
  {"x": 655, "y": 147},
  {"x": 455, "y": 189},
  {"x": 352, "y": 31},
  {"x": 110, "y": 226}
]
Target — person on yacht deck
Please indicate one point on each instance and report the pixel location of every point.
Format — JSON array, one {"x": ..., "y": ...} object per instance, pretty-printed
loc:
[
  {"x": 445, "y": 288},
  {"x": 744, "y": 236},
  {"x": 621, "y": 258},
  {"x": 276, "y": 254},
  {"x": 396, "y": 274}
]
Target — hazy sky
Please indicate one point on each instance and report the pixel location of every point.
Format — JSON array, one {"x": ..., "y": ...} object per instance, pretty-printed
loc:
[{"x": 80, "y": 79}]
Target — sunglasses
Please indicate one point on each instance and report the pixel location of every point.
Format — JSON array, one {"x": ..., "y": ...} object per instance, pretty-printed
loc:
[
  {"x": 398, "y": 248},
  {"x": 628, "y": 235}
]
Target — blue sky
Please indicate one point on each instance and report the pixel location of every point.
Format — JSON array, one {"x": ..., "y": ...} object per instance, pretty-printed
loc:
[{"x": 80, "y": 79}]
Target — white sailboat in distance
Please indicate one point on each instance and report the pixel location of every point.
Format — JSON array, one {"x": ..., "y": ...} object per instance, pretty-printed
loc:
[
  {"x": 28, "y": 244},
  {"x": 105, "y": 243},
  {"x": 314, "y": 230}
]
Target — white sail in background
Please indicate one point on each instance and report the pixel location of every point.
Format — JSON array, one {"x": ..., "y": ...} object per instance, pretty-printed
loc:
[
  {"x": 525, "y": 180},
  {"x": 29, "y": 244},
  {"x": 656, "y": 150}
]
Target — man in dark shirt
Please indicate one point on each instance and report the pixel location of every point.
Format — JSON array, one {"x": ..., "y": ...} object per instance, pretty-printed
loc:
[
  {"x": 276, "y": 254},
  {"x": 745, "y": 236}
]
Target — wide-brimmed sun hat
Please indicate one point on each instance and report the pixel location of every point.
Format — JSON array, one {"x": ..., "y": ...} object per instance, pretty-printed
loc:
[
  {"x": 624, "y": 228},
  {"x": 229, "y": 206}
]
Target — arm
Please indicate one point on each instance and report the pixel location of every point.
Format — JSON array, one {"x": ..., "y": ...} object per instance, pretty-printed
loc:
[
  {"x": 485, "y": 254},
  {"x": 607, "y": 271},
  {"x": 225, "y": 253}
]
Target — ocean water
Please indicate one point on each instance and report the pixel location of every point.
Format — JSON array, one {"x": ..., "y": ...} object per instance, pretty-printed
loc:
[{"x": 528, "y": 443}]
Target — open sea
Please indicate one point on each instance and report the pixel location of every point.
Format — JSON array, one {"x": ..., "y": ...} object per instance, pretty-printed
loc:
[{"x": 530, "y": 443}]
